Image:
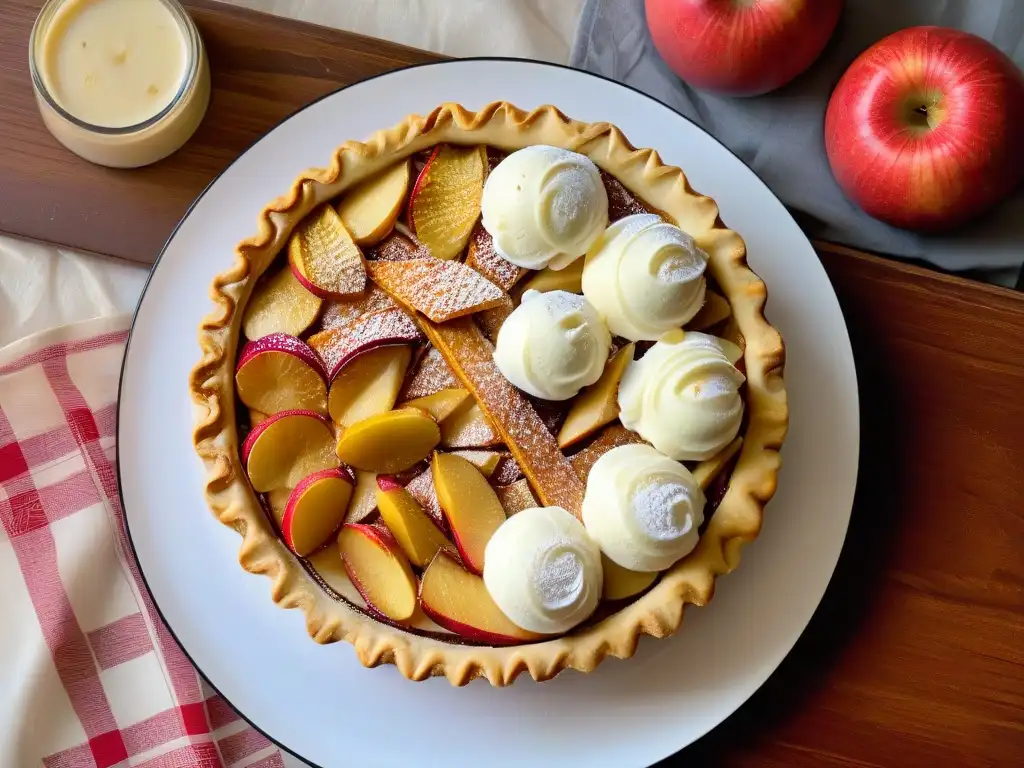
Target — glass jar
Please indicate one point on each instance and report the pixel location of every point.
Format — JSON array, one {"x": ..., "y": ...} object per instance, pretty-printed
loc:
[{"x": 121, "y": 83}]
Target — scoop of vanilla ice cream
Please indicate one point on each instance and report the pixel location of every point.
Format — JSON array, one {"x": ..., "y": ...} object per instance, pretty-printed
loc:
[
  {"x": 645, "y": 276},
  {"x": 543, "y": 570},
  {"x": 683, "y": 396},
  {"x": 544, "y": 206},
  {"x": 552, "y": 345},
  {"x": 643, "y": 509}
]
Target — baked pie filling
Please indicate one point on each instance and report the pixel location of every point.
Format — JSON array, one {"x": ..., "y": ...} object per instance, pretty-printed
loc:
[{"x": 489, "y": 396}]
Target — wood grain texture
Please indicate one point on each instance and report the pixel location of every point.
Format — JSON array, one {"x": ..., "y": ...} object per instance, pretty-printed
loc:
[
  {"x": 916, "y": 656},
  {"x": 263, "y": 69}
]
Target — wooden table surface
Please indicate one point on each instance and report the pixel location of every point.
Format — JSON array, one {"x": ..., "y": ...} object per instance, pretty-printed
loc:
[{"x": 916, "y": 655}]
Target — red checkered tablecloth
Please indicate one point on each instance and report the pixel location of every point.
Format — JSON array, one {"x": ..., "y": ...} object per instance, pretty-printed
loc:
[{"x": 89, "y": 675}]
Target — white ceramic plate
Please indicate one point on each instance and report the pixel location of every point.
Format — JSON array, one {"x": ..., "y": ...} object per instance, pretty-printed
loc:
[{"x": 317, "y": 700}]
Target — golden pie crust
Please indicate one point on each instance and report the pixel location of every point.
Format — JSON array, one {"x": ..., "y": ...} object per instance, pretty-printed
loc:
[{"x": 659, "y": 612}]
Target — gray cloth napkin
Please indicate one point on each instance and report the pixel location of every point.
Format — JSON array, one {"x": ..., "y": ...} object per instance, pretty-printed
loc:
[{"x": 780, "y": 135}]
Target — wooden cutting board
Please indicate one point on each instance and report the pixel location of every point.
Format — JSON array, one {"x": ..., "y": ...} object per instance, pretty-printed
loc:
[{"x": 916, "y": 655}]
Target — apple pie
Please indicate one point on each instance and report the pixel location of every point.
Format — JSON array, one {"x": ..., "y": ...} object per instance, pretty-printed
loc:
[{"x": 492, "y": 392}]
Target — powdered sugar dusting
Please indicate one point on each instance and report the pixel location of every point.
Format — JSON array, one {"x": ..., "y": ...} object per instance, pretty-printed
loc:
[
  {"x": 612, "y": 437},
  {"x": 337, "y": 314},
  {"x": 507, "y": 472},
  {"x": 441, "y": 290},
  {"x": 658, "y": 505},
  {"x": 536, "y": 450},
  {"x": 337, "y": 344},
  {"x": 558, "y": 580},
  {"x": 422, "y": 489},
  {"x": 491, "y": 320},
  {"x": 482, "y": 257},
  {"x": 397, "y": 247},
  {"x": 473, "y": 431},
  {"x": 324, "y": 252},
  {"x": 432, "y": 375},
  {"x": 621, "y": 202},
  {"x": 516, "y": 497}
]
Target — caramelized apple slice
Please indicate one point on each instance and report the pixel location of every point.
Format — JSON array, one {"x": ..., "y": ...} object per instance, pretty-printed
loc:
[
  {"x": 513, "y": 416},
  {"x": 324, "y": 258},
  {"x": 369, "y": 210},
  {"x": 470, "y": 506},
  {"x": 316, "y": 509},
  {"x": 485, "y": 461},
  {"x": 715, "y": 310},
  {"x": 468, "y": 427},
  {"x": 459, "y": 602},
  {"x": 280, "y": 373},
  {"x": 364, "y": 497},
  {"x": 280, "y": 304},
  {"x": 255, "y": 417},
  {"x": 439, "y": 405},
  {"x": 441, "y": 290},
  {"x": 379, "y": 570},
  {"x": 432, "y": 375},
  {"x": 368, "y": 384},
  {"x": 287, "y": 447},
  {"x": 569, "y": 279},
  {"x": 414, "y": 530},
  {"x": 598, "y": 404},
  {"x": 445, "y": 201},
  {"x": 516, "y": 497},
  {"x": 389, "y": 442},
  {"x": 620, "y": 583},
  {"x": 338, "y": 346},
  {"x": 481, "y": 256},
  {"x": 342, "y": 312},
  {"x": 706, "y": 472}
]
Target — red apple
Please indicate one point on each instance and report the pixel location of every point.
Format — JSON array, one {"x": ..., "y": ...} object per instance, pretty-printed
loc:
[
  {"x": 926, "y": 128},
  {"x": 741, "y": 47}
]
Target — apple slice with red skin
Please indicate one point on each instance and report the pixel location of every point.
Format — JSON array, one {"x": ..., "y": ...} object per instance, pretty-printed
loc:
[
  {"x": 422, "y": 490},
  {"x": 445, "y": 200},
  {"x": 324, "y": 258},
  {"x": 470, "y": 506},
  {"x": 280, "y": 304},
  {"x": 280, "y": 373},
  {"x": 386, "y": 327},
  {"x": 414, "y": 530},
  {"x": 369, "y": 210},
  {"x": 316, "y": 508},
  {"x": 459, "y": 601},
  {"x": 379, "y": 569},
  {"x": 368, "y": 384},
  {"x": 286, "y": 447}
]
